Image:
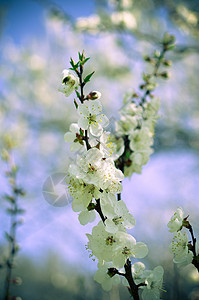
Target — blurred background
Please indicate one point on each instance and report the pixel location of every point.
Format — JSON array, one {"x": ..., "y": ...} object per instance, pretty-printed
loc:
[{"x": 37, "y": 39}]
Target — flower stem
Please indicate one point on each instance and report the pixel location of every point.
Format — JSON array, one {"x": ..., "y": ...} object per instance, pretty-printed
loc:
[
  {"x": 195, "y": 260},
  {"x": 154, "y": 74},
  {"x": 128, "y": 275}
]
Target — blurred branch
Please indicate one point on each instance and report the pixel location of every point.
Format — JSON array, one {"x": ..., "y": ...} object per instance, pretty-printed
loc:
[{"x": 14, "y": 211}]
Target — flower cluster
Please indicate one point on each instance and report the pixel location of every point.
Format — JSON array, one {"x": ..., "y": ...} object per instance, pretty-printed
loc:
[
  {"x": 136, "y": 125},
  {"x": 150, "y": 281},
  {"x": 180, "y": 246},
  {"x": 94, "y": 179}
]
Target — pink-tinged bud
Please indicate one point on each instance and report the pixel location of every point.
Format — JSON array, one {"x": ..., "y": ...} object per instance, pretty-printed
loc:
[{"x": 94, "y": 95}]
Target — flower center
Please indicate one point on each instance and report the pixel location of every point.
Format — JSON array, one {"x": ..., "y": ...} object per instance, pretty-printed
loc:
[
  {"x": 126, "y": 251},
  {"x": 110, "y": 240},
  {"x": 118, "y": 220},
  {"x": 92, "y": 119}
]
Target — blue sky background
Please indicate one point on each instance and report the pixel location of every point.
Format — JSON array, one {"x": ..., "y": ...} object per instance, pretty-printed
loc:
[{"x": 24, "y": 18}]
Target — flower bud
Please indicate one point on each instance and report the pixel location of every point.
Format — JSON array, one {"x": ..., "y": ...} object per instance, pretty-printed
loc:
[
  {"x": 17, "y": 281},
  {"x": 167, "y": 63},
  {"x": 94, "y": 95},
  {"x": 164, "y": 75},
  {"x": 69, "y": 83}
]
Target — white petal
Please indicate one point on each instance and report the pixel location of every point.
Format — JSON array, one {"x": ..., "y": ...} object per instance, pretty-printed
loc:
[
  {"x": 140, "y": 250},
  {"x": 104, "y": 121},
  {"x": 77, "y": 206},
  {"x": 119, "y": 261},
  {"x": 75, "y": 147},
  {"x": 110, "y": 226},
  {"x": 83, "y": 123},
  {"x": 69, "y": 137},
  {"x": 74, "y": 128},
  {"x": 96, "y": 129},
  {"x": 95, "y": 107},
  {"x": 83, "y": 109},
  {"x": 86, "y": 217},
  {"x": 107, "y": 285}
]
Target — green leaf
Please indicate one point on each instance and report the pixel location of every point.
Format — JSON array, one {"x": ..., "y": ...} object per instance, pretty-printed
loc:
[
  {"x": 78, "y": 94},
  {"x": 91, "y": 206},
  {"x": 76, "y": 105},
  {"x": 170, "y": 47},
  {"x": 19, "y": 191},
  {"x": 88, "y": 77},
  {"x": 80, "y": 56},
  {"x": 8, "y": 237},
  {"x": 86, "y": 59},
  {"x": 9, "y": 198},
  {"x": 81, "y": 132},
  {"x": 72, "y": 62}
]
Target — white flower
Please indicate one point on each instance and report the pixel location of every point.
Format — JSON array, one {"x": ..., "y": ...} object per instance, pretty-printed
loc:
[
  {"x": 175, "y": 223},
  {"x": 116, "y": 212},
  {"x": 130, "y": 118},
  {"x": 179, "y": 248},
  {"x": 91, "y": 117},
  {"x": 116, "y": 247},
  {"x": 140, "y": 139},
  {"x": 151, "y": 109},
  {"x": 82, "y": 193},
  {"x": 102, "y": 277},
  {"x": 126, "y": 124},
  {"x": 153, "y": 284},
  {"x": 70, "y": 82},
  {"x": 110, "y": 176},
  {"x": 93, "y": 168},
  {"x": 124, "y": 18},
  {"x": 138, "y": 272},
  {"x": 74, "y": 137},
  {"x": 127, "y": 247},
  {"x": 102, "y": 243},
  {"x": 137, "y": 160},
  {"x": 104, "y": 143}
]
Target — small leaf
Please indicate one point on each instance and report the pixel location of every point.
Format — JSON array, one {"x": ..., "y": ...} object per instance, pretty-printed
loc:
[
  {"x": 170, "y": 47},
  {"x": 9, "y": 198},
  {"x": 88, "y": 77},
  {"x": 76, "y": 105},
  {"x": 72, "y": 62},
  {"x": 80, "y": 56},
  {"x": 19, "y": 191},
  {"x": 78, "y": 94},
  {"x": 86, "y": 59},
  {"x": 8, "y": 237},
  {"x": 81, "y": 132}
]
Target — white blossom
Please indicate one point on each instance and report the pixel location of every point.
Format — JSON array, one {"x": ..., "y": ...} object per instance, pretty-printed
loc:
[
  {"x": 81, "y": 192},
  {"x": 175, "y": 223},
  {"x": 75, "y": 138},
  {"x": 179, "y": 248},
  {"x": 93, "y": 168},
  {"x": 127, "y": 248},
  {"x": 153, "y": 282},
  {"x": 116, "y": 212},
  {"x": 102, "y": 277},
  {"x": 91, "y": 117},
  {"x": 70, "y": 82}
]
